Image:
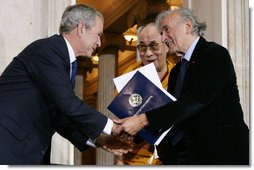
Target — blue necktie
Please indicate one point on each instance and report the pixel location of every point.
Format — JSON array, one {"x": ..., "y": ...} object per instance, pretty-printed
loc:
[
  {"x": 74, "y": 67},
  {"x": 180, "y": 78}
]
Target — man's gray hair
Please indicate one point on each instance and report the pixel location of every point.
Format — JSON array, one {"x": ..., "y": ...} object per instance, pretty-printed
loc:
[
  {"x": 140, "y": 29},
  {"x": 75, "y": 14},
  {"x": 198, "y": 28}
]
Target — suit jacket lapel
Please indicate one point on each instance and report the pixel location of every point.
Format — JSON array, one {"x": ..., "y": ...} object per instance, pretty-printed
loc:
[
  {"x": 198, "y": 50},
  {"x": 61, "y": 45},
  {"x": 196, "y": 55}
]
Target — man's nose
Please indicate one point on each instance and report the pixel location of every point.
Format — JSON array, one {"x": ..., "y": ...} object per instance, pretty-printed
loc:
[{"x": 148, "y": 52}]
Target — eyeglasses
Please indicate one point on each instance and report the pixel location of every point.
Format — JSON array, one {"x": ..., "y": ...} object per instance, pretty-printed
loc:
[{"x": 153, "y": 46}]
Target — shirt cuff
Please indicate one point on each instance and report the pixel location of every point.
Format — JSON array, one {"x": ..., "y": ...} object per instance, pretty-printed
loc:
[
  {"x": 91, "y": 143},
  {"x": 108, "y": 128}
]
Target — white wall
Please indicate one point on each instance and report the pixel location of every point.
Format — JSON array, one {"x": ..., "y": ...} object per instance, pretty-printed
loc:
[
  {"x": 21, "y": 22},
  {"x": 209, "y": 11},
  {"x": 251, "y": 4}
]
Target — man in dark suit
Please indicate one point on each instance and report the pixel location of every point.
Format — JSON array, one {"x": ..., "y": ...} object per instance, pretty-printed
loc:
[
  {"x": 36, "y": 97},
  {"x": 208, "y": 119}
]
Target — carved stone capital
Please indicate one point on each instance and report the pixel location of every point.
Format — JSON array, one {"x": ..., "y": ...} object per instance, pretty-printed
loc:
[
  {"x": 111, "y": 43},
  {"x": 84, "y": 64}
]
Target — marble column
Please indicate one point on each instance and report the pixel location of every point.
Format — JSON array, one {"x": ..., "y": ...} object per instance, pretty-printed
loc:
[
  {"x": 107, "y": 71},
  {"x": 107, "y": 67},
  {"x": 238, "y": 45},
  {"x": 85, "y": 65}
]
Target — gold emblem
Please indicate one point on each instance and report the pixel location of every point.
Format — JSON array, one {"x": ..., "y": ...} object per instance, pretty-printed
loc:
[{"x": 135, "y": 100}]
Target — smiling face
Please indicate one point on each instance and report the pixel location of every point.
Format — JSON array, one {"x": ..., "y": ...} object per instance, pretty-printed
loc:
[
  {"x": 151, "y": 48},
  {"x": 90, "y": 39},
  {"x": 174, "y": 33}
]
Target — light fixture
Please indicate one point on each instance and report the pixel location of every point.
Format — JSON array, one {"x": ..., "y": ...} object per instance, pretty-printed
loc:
[
  {"x": 95, "y": 58},
  {"x": 130, "y": 38},
  {"x": 130, "y": 35},
  {"x": 173, "y": 7},
  {"x": 174, "y": 4}
]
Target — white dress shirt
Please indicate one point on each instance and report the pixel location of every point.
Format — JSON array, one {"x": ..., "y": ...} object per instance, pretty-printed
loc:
[{"x": 190, "y": 50}]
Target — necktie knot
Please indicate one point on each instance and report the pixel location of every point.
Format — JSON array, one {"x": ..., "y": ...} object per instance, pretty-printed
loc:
[{"x": 74, "y": 67}]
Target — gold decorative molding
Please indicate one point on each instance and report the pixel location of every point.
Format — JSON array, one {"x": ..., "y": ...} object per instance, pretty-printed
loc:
[
  {"x": 145, "y": 8},
  {"x": 111, "y": 43},
  {"x": 84, "y": 64}
]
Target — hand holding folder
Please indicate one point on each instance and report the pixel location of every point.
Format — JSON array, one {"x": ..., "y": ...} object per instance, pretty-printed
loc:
[{"x": 140, "y": 95}]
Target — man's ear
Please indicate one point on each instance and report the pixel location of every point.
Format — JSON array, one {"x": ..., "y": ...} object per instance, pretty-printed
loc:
[
  {"x": 188, "y": 26},
  {"x": 80, "y": 28}
]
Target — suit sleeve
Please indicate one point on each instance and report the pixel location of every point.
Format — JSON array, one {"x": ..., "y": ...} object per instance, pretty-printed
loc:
[
  {"x": 48, "y": 68},
  {"x": 207, "y": 78},
  {"x": 71, "y": 132}
]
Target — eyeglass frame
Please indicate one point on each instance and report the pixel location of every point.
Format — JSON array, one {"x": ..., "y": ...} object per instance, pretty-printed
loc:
[{"x": 150, "y": 46}]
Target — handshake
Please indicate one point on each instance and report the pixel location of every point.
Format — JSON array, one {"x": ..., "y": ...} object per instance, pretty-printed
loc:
[{"x": 119, "y": 142}]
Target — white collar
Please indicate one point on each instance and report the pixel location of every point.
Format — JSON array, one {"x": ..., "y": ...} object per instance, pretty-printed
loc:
[
  {"x": 189, "y": 52},
  {"x": 71, "y": 54},
  {"x": 70, "y": 51}
]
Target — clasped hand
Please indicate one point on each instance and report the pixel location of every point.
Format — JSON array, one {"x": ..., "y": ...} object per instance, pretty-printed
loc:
[
  {"x": 130, "y": 125},
  {"x": 119, "y": 142},
  {"x": 113, "y": 144}
]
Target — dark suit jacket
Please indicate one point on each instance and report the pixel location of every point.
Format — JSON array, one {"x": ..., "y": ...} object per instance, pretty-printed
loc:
[
  {"x": 208, "y": 112},
  {"x": 36, "y": 100}
]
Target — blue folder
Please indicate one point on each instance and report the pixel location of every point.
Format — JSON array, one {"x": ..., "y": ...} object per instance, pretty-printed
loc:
[{"x": 139, "y": 95}]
